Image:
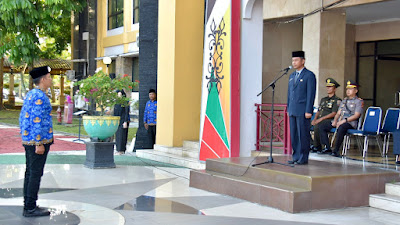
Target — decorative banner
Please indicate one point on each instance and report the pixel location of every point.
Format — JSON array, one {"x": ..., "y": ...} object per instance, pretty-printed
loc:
[{"x": 215, "y": 130}]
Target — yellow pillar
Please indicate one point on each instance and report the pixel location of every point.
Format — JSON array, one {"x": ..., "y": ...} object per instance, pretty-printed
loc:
[
  {"x": 180, "y": 52},
  {"x": 324, "y": 36}
]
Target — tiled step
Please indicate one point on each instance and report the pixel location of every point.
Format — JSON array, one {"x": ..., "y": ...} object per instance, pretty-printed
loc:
[
  {"x": 169, "y": 150},
  {"x": 194, "y": 154},
  {"x": 191, "y": 145},
  {"x": 225, "y": 166},
  {"x": 393, "y": 189},
  {"x": 170, "y": 158},
  {"x": 283, "y": 197},
  {"x": 179, "y": 151},
  {"x": 315, "y": 186},
  {"x": 386, "y": 202}
]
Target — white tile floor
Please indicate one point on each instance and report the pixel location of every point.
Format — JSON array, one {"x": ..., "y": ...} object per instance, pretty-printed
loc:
[{"x": 97, "y": 193}]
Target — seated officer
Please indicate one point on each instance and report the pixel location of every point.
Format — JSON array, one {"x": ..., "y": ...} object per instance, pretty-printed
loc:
[
  {"x": 328, "y": 107},
  {"x": 347, "y": 118}
]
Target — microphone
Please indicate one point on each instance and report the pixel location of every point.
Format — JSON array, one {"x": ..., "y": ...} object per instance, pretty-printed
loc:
[{"x": 287, "y": 69}]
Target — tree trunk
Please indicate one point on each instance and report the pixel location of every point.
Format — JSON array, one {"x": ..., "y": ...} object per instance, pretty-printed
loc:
[
  {"x": 1, "y": 82},
  {"x": 62, "y": 96},
  {"x": 30, "y": 78},
  {"x": 22, "y": 88},
  {"x": 53, "y": 95}
]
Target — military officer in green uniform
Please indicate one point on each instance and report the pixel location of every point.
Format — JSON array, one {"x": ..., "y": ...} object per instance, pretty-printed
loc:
[{"x": 328, "y": 107}]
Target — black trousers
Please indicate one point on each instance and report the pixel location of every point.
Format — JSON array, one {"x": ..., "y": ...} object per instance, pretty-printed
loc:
[
  {"x": 33, "y": 174},
  {"x": 317, "y": 137},
  {"x": 121, "y": 138},
  {"x": 341, "y": 132},
  {"x": 300, "y": 137},
  {"x": 152, "y": 134}
]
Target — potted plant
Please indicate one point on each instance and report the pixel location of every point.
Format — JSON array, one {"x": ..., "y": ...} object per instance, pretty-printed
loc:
[{"x": 102, "y": 90}]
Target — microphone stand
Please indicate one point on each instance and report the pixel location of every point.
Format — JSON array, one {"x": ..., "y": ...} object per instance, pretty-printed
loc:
[
  {"x": 80, "y": 114},
  {"x": 272, "y": 84}
]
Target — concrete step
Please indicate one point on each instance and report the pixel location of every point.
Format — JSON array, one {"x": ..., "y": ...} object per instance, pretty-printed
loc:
[
  {"x": 169, "y": 150},
  {"x": 179, "y": 151},
  {"x": 171, "y": 159},
  {"x": 225, "y": 166},
  {"x": 286, "y": 198},
  {"x": 194, "y": 153},
  {"x": 393, "y": 189},
  {"x": 386, "y": 202},
  {"x": 191, "y": 145}
]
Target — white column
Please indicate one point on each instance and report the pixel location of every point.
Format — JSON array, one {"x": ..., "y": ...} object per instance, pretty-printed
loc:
[{"x": 250, "y": 73}]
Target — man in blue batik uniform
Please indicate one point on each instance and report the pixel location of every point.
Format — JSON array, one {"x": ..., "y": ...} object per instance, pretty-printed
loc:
[
  {"x": 150, "y": 116},
  {"x": 300, "y": 102},
  {"x": 37, "y": 135}
]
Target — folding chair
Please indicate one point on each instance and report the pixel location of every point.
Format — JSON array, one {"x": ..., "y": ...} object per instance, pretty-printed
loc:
[
  {"x": 371, "y": 127},
  {"x": 315, "y": 110},
  {"x": 333, "y": 132},
  {"x": 352, "y": 132},
  {"x": 390, "y": 124}
]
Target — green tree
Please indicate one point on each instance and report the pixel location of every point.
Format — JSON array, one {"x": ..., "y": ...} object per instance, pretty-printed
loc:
[{"x": 23, "y": 23}]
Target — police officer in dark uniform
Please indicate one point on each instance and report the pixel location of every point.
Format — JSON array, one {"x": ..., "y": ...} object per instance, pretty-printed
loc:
[
  {"x": 347, "y": 117},
  {"x": 328, "y": 107}
]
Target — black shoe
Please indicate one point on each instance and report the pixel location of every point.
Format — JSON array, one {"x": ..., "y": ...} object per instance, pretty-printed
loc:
[
  {"x": 291, "y": 162},
  {"x": 36, "y": 212},
  {"x": 336, "y": 154},
  {"x": 325, "y": 151},
  {"x": 316, "y": 149},
  {"x": 398, "y": 163},
  {"x": 301, "y": 163}
]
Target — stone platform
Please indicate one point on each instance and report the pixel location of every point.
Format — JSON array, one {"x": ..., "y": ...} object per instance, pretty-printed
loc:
[{"x": 318, "y": 185}]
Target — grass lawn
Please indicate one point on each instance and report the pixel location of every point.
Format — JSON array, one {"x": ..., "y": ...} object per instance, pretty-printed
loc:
[{"x": 10, "y": 116}]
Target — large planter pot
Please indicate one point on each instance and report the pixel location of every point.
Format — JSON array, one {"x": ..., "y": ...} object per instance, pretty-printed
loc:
[{"x": 101, "y": 127}]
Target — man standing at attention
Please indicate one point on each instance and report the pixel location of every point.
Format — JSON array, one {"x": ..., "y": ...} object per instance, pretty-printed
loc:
[
  {"x": 37, "y": 135},
  {"x": 150, "y": 116},
  {"x": 301, "y": 95}
]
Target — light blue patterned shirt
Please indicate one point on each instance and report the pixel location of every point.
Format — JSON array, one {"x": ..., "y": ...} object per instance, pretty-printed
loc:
[{"x": 35, "y": 119}]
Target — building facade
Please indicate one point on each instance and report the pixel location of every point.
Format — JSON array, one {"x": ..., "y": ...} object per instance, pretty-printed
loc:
[
  {"x": 344, "y": 39},
  {"x": 110, "y": 28}
]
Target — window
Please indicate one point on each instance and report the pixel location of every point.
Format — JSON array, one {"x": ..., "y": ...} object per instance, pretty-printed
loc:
[
  {"x": 115, "y": 14},
  {"x": 135, "y": 72},
  {"x": 136, "y": 11}
]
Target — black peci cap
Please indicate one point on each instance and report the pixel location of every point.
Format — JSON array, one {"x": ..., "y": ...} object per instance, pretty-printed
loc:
[
  {"x": 39, "y": 71},
  {"x": 298, "y": 54}
]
